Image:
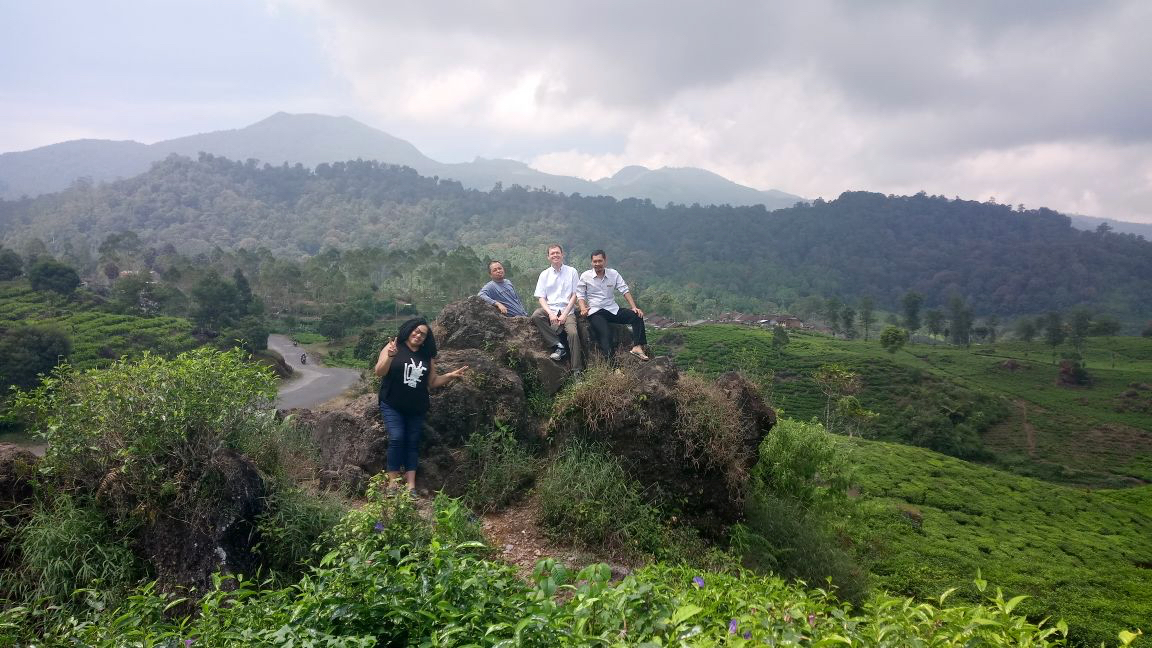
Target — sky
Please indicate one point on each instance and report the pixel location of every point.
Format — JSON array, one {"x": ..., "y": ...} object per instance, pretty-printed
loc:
[{"x": 1033, "y": 102}]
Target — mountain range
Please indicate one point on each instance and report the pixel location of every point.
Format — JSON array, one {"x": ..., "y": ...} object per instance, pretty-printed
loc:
[{"x": 314, "y": 139}]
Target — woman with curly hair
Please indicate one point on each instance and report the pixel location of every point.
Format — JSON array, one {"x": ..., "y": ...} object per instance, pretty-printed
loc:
[{"x": 407, "y": 369}]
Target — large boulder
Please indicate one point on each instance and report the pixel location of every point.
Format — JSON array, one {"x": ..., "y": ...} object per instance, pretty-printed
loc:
[
  {"x": 514, "y": 341},
  {"x": 475, "y": 324},
  {"x": 17, "y": 470},
  {"x": 692, "y": 440},
  {"x": 353, "y": 441},
  {"x": 186, "y": 547}
]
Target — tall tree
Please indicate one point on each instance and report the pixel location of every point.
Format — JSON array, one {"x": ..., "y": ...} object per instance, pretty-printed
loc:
[
  {"x": 11, "y": 265},
  {"x": 912, "y": 302},
  {"x": 1079, "y": 323},
  {"x": 832, "y": 308},
  {"x": 867, "y": 317},
  {"x": 27, "y": 351},
  {"x": 934, "y": 322},
  {"x": 1054, "y": 329},
  {"x": 1026, "y": 329},
  {"x": 992, "y": 322},
  {"x": 960, "y": 321},
  {"x": 848, "y": 321},
  {"x": 216, "y": 302}
]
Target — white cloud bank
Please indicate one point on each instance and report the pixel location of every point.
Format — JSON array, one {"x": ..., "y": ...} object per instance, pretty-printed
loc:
[{"x": 1039, "y": 102}]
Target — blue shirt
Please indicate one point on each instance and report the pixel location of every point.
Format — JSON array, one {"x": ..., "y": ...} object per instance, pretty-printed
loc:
[{"x": 504, "y": 293}]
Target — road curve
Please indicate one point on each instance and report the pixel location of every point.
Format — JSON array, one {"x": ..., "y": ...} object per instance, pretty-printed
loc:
[{"x": 311, "y": 384}]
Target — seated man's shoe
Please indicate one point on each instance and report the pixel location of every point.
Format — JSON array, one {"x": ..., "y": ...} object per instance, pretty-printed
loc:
[{"x": 559, "y": 354}]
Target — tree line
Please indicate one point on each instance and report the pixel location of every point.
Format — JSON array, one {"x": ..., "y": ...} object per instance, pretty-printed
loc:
[{"x": 1001, "y": 260}]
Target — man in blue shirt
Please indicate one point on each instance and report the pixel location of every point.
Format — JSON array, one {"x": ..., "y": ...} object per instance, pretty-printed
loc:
[{"x": 501, "y": 293}]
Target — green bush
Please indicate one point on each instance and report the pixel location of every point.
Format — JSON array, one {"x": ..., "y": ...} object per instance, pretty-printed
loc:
[
  {"x": 397, "y": 587},
  {"x": 501, "y": 466},
  {"x": 291, "y": 527},
  {"x": 781, "y": 536},
  {"x": 711, "y": 430},
  {"x": 139, "y": 433},
  {"x": 586, "y": 497},
  {"x": 801, "y": 462}
]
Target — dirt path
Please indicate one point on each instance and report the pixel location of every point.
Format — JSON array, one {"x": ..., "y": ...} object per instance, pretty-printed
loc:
[
  {"x": 311, "y": 383},
  {"x": 514, "y": 534}
]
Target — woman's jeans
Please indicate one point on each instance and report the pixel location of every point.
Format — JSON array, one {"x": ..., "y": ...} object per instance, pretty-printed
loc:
[{"x": 404, "y": 432}]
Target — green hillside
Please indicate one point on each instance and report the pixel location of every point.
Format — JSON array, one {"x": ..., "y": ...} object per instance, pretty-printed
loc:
[
  {"x": 925, "y": 521},
  {"x": 1000, "y": 404},
  {"x": 931, "y": 522},
  {"x": 97, "y": 337}
]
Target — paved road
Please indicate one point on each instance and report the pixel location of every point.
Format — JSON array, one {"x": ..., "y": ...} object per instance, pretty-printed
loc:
[{"x": 311, "y": 384}]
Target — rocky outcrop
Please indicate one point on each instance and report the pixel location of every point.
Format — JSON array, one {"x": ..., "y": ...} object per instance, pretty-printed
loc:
[
  {"x": 515, "y": 341},
  {"x": 17, "y": 469},
  {"x": 186, "y": 547},
  {"x": 17, "y": 472},
  {"x": 693, "y": 441}
]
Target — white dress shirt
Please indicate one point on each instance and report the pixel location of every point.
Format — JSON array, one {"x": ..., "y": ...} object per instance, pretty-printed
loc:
[
  {"x": 597, "y": 291},
  {"x": 557, "y": 286}
]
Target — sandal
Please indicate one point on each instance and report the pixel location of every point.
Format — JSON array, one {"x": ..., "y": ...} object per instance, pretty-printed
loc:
[{"x": 640, "y": 354}]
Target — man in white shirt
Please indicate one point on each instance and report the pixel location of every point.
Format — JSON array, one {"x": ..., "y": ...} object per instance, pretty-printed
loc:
[
  {"x": 556, "y": 292},
  {"x": 598, "y": 303}
]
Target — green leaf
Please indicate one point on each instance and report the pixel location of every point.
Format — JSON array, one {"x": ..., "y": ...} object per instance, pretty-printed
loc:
[{"x": 685, "y": 612}]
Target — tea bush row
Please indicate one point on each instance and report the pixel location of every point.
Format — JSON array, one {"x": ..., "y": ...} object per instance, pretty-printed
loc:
[{"x": 397, "y": 578}]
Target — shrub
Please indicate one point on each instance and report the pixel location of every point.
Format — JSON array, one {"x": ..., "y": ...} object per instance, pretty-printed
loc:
[
  {"x": 801, "y": 462},
  {"x": 140, "y": 432},
  {"x": 586, "y": 497},
  {"x": 291, "y": 527},
  {"x": 601, "y": 398},
  {"x": 501, "y": 466},
  {"x": 781, "y": 536}
]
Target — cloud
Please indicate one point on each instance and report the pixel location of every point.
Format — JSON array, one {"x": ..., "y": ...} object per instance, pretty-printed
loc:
[{"x": 1039, "y": 101}]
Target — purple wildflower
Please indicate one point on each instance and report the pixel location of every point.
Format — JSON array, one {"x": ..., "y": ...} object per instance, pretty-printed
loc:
[
  {"x": 811, "y": 619},
  {"x": 733, "y": 626},
  {"x": 698, "y": 581},
  {"x": 379, "y": 528},
  {"x": 188, "y": 642},
  {"x": 747, "y": 634}
]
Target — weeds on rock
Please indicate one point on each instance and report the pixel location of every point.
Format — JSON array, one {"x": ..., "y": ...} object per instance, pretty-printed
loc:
[
  {"x": 586, "y": 497},
  {"x": 598, "y": 399},
  {"x": 710, "y": 429},
  {"x": 502, "y": 466}
]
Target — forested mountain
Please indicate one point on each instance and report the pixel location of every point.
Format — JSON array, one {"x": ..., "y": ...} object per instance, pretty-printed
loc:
[
  {"x": 999, "y": 260},
  {"x": 315, "y": 139}
]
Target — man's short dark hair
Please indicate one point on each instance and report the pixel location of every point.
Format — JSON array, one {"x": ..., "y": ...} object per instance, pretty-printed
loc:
[
  {"x": 554, "y": 245},
  {"x": 491, "y": 262},
  {"x": 598, "y": 253}
]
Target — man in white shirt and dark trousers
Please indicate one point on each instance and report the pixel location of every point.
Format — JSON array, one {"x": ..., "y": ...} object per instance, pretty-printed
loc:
[
  {"x": 556, "y": 292},
  {"x": 598, "y": 304}
]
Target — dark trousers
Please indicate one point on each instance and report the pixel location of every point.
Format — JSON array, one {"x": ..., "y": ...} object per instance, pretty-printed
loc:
[{"x": 600, "y": 320}]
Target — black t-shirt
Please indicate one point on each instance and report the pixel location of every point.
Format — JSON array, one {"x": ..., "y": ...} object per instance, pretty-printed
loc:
[{"x": 405, "y": 386}]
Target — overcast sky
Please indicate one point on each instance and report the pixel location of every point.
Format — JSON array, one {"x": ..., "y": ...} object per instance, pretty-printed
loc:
[{"x": 1040, "y": 102}]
